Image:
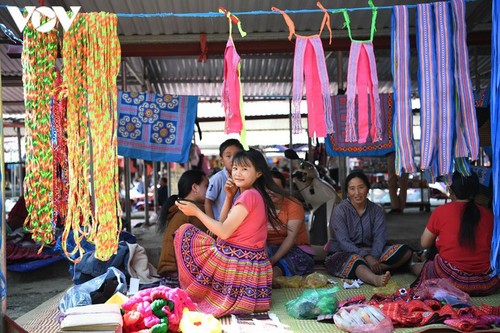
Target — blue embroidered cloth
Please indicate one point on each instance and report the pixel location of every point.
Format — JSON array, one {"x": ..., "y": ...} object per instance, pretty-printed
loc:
[
  {"x": 156, "y": 127},
  {"x": 336, "y": 144}
]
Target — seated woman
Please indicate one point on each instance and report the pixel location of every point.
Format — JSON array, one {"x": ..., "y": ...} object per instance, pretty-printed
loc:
[
  {"x": 232, "y": 274},
  {"x": 192, "y": 186},
  {"x": 461, "y": 231},
  {"x": 358, "y": 247},
  {"x": 288, "y": 247}
]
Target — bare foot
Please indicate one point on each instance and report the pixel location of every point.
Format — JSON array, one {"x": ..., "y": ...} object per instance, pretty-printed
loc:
[{"x": 382, "y": 280}]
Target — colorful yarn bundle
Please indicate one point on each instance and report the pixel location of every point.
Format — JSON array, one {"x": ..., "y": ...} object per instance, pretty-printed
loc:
[
  {"x": 79, "y": 217},
  {"x": 103, "y": 65},
  {"x": 156, "y": 310},
  {"x": 60, "y": 181},
  {"x": 38, "y": 60},
  {"x": 91, "y": 55}
]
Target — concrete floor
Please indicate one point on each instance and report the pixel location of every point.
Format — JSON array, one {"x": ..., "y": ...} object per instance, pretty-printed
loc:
[{"x": 25, "y": 291}]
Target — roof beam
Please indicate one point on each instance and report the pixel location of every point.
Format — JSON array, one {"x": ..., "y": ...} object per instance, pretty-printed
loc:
[{"x": 264, "y": 46}]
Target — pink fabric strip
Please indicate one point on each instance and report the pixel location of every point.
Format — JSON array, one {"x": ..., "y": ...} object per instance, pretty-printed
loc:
[
  {"x": 231, "y": 90},
  {"x": 362, "y": 80},
  {"x": 363, "y": 83},
  {"x": 315, "y": 110}
]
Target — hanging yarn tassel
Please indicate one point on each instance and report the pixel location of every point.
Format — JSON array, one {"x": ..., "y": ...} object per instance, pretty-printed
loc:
[
  {"x": 79, "y": 218},
  {"x": 91, "y": 55},
  {"x": 495, "y": 135},
  {"x": 103, "y": 65},
  {"x": 38, "y": 60},
  {"x": 60, "y": 153}
]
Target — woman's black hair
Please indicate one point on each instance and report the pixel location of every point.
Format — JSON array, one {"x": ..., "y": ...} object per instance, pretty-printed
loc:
[
  {"x": 278, "y": 175},
  {"x": 466, "y": 188},
  {"x": 265, "y": 181},
  {"x": 357, "y": 174},
  {"x": 184, "y": 186}
]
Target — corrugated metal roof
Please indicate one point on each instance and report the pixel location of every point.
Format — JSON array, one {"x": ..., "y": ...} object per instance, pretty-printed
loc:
[{"x": 264, "y": 75}]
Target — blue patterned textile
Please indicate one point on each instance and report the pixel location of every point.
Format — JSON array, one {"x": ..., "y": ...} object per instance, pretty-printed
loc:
[{"x": 156, "y": 127}]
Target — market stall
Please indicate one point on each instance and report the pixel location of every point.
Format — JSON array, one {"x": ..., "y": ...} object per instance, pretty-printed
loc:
[{"x": 72, "y": 141}]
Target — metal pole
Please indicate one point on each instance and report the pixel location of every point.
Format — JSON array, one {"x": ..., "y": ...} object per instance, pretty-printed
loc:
[
  {"x": 146, "y": 194},
  {"x": 476, "y": 70},
  {"x": 126, "y": 166},
  {"x": 20, "y": 165},
  {"x": 3, "y": 254},
  {"x": 155, "y": 184},
  {"x": 343, "y": 161},
  {"x": 290, "y": 162}
]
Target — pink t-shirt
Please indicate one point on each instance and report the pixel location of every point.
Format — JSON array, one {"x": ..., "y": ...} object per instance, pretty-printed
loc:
[{"x": 252, "y": 232}]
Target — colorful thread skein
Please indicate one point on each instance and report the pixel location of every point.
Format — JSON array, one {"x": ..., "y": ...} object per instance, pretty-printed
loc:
[
  {"x": 60, "y": 181},
  {"x": 91, "y": 55},
  {"x": 38, "y": 60}
]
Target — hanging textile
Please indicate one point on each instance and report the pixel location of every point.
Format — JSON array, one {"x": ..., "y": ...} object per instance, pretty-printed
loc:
[
  {"x": 495, "y": 134},
  {"x": 309, "y": 62},
  {"x": 38, "y": 61},
  {"x": 467, "y": 131},
  {"x": 60, "y": 177},
  {"x": 336, "y": 145},
  {"x": 362, "y": 82},
  {"x": 403, "y": 115},
  {"x": 91, "y": 57},
  {"x": 232, "y": 95},
  {"x": 156, "y": 127},
  {"x": 437, "y": 92}
]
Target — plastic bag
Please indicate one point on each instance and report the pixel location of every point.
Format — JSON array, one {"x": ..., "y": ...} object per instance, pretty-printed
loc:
[
  {"x": 388, "y": 289},
  {"x": 443, "y": 290},
  {"x": 362, "y": 318},
  {"x": 312, "y": 303},
  {"x": 315, "y": 280},
  {"x": 290, "y": 281},
  {"x": 79, "y": 295}
]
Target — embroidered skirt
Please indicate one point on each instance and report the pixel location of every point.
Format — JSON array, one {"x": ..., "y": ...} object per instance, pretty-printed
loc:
[
  {"x": 474, "y": 284},
  {"x": 343, "y": 264},
  {"x": 295, "y": 262},
  {"x": 222, "y": 278}
]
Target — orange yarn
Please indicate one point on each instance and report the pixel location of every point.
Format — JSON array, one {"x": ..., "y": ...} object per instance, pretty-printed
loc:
[
  {"x": 91, "y": 55},
  {"x": 38, "y": 60}
]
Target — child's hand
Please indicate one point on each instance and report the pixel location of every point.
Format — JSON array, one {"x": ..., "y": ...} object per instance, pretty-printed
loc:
[
  {"x": 187, "y": 207},
  {"x": 230, "y": 188}
]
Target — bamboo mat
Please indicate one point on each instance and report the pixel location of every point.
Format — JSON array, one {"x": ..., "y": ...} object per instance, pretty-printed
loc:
[
  {"x": 43, "y": 318},
  {"x": 281, "y": 296}
]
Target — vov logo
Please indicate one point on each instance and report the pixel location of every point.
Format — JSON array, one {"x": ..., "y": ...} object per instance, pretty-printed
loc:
[{"x": 35, "y": 14}]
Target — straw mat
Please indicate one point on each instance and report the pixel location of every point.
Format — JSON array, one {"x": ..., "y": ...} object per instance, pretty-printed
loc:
[{"x": 43, "y": 318}]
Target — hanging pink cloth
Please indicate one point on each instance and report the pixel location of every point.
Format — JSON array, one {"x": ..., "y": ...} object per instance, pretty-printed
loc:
[
  {"x": 362, "y": 81},
  {"x": 232, "y": 97},
  {"x": 231, "y": 89},
  {"x": 309, "y": 63}
]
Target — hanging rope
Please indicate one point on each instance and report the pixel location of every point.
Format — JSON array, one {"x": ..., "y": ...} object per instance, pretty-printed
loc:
[
  {"x": 103, "y": 64},
  {"x": 79, "y": 218},
  {"x": 91, "y": 55},
  {"x": 38, "y": 60}
]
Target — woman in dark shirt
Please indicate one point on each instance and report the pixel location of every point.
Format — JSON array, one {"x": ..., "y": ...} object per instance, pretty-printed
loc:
[{"x": 358, "y": 247}]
